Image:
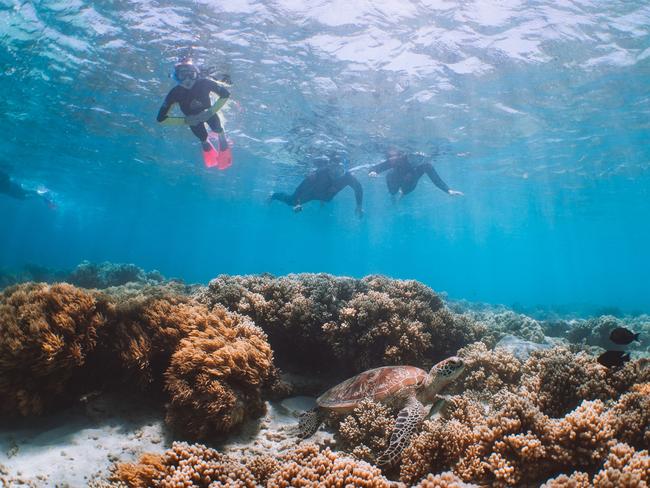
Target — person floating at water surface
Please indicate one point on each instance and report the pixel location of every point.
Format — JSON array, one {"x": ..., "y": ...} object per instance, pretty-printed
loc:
[
  {"x": 405, "y": 170},
  {"x": 323, "y": 185},
  {"x": 192, "y": 94},
  {"x": 16, "y": 190}
]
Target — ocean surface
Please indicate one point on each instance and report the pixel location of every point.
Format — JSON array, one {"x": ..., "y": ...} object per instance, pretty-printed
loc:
[{"x": 539, "y": 111}]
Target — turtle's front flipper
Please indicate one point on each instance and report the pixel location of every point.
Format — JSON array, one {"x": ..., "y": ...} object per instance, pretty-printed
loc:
[
  {"x": 407, "y": 423},
  {"x": 310, "y": 422}
]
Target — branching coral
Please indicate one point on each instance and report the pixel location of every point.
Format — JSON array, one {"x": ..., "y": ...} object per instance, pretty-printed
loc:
[
  {"x": 46, "y": 333},
  {"x": 216, "y": 376},
  {"x": 487, "y": 372},
  {"x": 198, "y": 466},
  {"x": 559, "y": 380},
  {"x": 631, "y": 417},
  {"x": 366, "y": 431},
  {"x": 624, "y": 468},
  {"x": 443, "y": 480}
]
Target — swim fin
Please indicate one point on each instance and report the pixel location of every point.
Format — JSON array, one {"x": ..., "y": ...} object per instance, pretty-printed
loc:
[
  {"x": 223, "y": 158},
  {"x": 210, "y": 157}
]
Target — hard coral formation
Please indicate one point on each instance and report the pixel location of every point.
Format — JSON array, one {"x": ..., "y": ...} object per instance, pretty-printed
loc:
[
  {"x": 313, "y": 320},
  {"x": 198, "y": 466},
  {"x": 366, "y": 431},
  {"x": 487, "y": 371},
  {"x": 624, "y": 468},
  {"x": 216, "y": 376},
  {"x": 510, "y": 439},
  {"x": 46, "y": 334},
  {"x": 559, "y": 380},
  {"x": 104, "y": 275}
]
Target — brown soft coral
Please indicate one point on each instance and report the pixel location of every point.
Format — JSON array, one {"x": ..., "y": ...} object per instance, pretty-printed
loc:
[
  {"x": 216, "y": 375},
  {"x": 46, "y": 334},
  {"x": 366, "y": 431}
]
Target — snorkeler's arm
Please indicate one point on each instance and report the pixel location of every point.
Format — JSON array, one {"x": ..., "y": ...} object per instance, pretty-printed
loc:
[
  {"x": 220, "y": 90},
  {"x": 381, "y": 167},
  {"x": 162, "y": 117},
  {"x": 352, "y": 182}
]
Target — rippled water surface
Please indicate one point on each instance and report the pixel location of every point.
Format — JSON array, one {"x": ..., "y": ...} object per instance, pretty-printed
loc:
[{"x": 538, "y": 110}]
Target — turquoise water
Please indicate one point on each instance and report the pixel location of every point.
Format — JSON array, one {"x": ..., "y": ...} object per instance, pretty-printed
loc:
[{"x": 538, "y": 110}]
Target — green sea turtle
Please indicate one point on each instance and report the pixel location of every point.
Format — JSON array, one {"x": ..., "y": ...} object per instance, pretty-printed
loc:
[{"x": 406, "y": 387}]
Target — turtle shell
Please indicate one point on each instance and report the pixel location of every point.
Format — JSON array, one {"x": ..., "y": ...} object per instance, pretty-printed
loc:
[{"x": 378, "y": 384}]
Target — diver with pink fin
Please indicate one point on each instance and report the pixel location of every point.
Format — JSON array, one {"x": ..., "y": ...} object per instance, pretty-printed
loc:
[{"x": 192, "y": 94}]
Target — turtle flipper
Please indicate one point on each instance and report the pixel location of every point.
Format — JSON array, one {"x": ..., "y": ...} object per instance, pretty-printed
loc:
[
  {"x": 407, "y": 423},
  {"x": 310, "y": 422}
]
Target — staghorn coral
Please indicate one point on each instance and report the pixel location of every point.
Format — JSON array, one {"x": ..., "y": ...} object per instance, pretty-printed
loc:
[
  {"x": 216, "y": 376},
  {"x": 624, "y": 468},
  {"x": 198, "y": 466},
  {"x": 366, "y": 431},
  {"x": 354, "y": 324},
  {"x": 46, "y": 334}
]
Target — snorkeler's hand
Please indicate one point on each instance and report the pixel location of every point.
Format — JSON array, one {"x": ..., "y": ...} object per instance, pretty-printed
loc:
[
  {"x": 373, "y": 174},
  {"x": 297, "y": 208},
  {"x": 455, "y": 193},
  {"x": 196, "y": 118}
]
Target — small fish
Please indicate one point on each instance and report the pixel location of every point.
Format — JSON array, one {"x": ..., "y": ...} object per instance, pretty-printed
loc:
[
  {"x": 621, "y": 335},
  {"x": 613, "y": 358}
]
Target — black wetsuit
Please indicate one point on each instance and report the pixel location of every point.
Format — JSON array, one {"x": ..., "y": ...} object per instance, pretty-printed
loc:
[
  {"x": 12, "y": 188},
  {"x": 404, "y": 174},
  {"x": 194, "y": 101},
  {"x": 321, "y": 185}
]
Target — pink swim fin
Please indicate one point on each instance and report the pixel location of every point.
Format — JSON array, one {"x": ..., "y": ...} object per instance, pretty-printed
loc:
[
  {"x": 224, "y": 159},
  {"x": 211, "y": 157}
]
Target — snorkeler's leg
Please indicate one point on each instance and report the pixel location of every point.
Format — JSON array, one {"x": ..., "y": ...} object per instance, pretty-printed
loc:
[
  {"x": 393, "y": 182},
  {"x": 215, "y": 124},
  {"x": 283, "y": 197},
  {"x": 200, "y": 131}
]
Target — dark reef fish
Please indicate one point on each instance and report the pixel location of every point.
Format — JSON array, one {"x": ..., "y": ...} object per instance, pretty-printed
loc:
[
  {"x": 613, "y": 358},
  {"x": 621, "y": 335}
]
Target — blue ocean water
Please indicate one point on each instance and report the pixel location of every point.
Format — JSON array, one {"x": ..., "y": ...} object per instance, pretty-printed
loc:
[{"x": 539, "y": 111}]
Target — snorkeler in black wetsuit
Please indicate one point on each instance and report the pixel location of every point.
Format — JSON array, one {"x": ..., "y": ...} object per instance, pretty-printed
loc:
[
  {"x": 16, "y": 190},
  {"x": 193, "y": 96},
  {"x": 406, "y": 171},
  {"x": 323, "y": 184}
]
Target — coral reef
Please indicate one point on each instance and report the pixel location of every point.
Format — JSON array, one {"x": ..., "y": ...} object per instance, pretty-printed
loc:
[
  {"x": 46, "y": 334},
  {"x": 345, "y": 323},
  {"x": 487, "y": 371},
  {"x": 216, "y": 376},
  {"x": 198, "y": 466},
  {"x": 624, "y": 468},
  {"x": 444, "y": 480},
  {"x": 104, "y": 275},
  {"x": 559, "y": 380},
  {"x": 366, "y": 431},
  {"x": 631, "y": 417}
]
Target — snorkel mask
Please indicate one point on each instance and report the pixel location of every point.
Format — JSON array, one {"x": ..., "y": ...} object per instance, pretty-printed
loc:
[{"x": 185, "y": 70}]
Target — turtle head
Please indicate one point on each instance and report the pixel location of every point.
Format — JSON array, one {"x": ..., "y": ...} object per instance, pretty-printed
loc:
[{"x": 445, "y": 372}]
